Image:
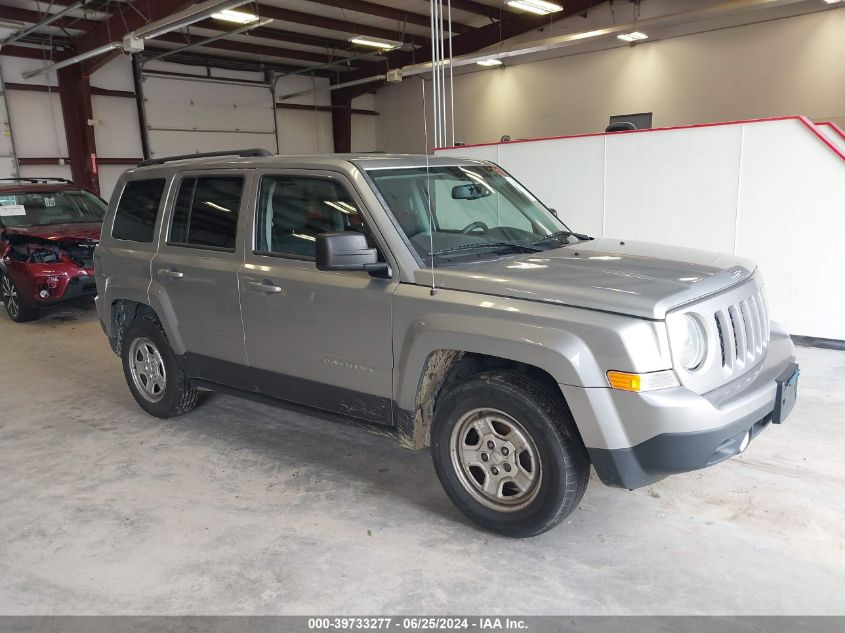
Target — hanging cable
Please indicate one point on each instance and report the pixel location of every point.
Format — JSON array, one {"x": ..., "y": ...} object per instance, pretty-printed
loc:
[
  {"x": 451, "y": 78},
  {"x": 428, "y": 193}
]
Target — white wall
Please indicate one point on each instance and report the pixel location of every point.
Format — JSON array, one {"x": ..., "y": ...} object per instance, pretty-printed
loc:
[
  {"x": 116, "y": 134},
  {"x": 784, "y": 67},
  {"x": 36, "y": 121},
  {"x": 301, "y": 131},
  {"x": 772, "y": 191},
  {"x": 364, "y": 125}
]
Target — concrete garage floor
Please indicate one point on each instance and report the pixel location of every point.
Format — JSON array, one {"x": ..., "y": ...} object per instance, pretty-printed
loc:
[{"x": 245, "y": 509}]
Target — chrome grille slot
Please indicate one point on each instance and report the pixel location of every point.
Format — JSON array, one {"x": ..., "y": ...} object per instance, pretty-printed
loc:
[
  {"x": 740, "y": 340},
  {"x": 722, "y": 343},
  {"x": 743, "y": 329}
]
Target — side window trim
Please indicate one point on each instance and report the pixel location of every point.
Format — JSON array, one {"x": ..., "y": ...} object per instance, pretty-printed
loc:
[
  {"x": 160, "y": 210},
  {"x": 245, "y": 206},
  {"x": 335, "y": 177}
]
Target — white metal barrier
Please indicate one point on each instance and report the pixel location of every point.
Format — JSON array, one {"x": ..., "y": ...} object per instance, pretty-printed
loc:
[{"x": 772, "y": 190}]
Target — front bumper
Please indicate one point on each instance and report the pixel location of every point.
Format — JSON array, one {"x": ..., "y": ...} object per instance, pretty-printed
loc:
[
  {"x": 62, "y": 281},
  {"x": 635, "y": 439}
]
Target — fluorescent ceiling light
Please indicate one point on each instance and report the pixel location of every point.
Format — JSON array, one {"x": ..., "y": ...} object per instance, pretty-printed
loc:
[
  {"x": 490, "y": 62},
  {"x": 238, "y": 17},
  {"x": 636, "y": 36},
  {"x": 540, "y": 7},
  {"x": 375, "y": 42}
]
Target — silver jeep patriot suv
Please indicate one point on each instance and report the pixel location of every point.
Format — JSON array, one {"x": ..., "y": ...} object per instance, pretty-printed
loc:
[{"x": 437, "y": 301}]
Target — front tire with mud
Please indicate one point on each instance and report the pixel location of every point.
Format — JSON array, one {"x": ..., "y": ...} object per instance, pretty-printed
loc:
[{"x": 508, "y": 453}]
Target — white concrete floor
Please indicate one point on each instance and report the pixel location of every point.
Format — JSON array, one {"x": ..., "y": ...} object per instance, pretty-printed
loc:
[{"x": 240, "y": 508}]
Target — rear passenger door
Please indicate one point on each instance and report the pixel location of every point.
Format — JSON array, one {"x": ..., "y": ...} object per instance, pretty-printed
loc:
[{"x": 195, "y": 273}]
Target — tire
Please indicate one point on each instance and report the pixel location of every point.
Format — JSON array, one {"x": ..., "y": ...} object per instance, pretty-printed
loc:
[
  {"x": 157, "y": 381},
  {"x": 16, "y": 307},
  {"x": 533, "y": 437}
]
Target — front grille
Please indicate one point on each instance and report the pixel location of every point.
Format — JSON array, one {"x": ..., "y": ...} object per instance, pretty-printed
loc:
[{"x": 743, "y": 331}]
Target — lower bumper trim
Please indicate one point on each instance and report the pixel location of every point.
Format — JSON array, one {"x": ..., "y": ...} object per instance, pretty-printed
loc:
[{"x": 672, "y": 453}]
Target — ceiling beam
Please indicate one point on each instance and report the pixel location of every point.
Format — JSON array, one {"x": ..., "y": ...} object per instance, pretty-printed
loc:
[
  {"x": 279, "y": 35},
  {"x": 478, "y": 8},
  {"x": 248, "y": 47},
  {"x": 342, "y": 26},
  {"x": 391, "y": 13},
  {"x": 203, "y": 60},
  {"x": 130, "y": 17},
  {"x": 34, "y": 17},
  {"x": 473, "y": 41},
  {"x": 25, "y": 52}
]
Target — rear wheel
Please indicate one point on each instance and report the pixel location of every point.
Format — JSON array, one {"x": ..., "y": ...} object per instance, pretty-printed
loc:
[
  {"x": 508, "y": 454},
  {"x": 157, "y": 381},
  {"x": 18, "y": 309}
]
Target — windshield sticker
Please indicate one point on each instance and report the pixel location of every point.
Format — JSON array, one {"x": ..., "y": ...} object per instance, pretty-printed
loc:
[
  {"x": 12, "y": 209},
  {"x": 49, "y": 202}
]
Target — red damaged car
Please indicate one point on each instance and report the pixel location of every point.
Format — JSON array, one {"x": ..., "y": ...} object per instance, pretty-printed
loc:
[{"x": 48, "y": 231}]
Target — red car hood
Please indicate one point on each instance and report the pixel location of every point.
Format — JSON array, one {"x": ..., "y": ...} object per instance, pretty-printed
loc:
[{"x": 78, "y": 231}]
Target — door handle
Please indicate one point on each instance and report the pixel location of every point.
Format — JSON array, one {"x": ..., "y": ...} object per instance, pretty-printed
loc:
[
  {"x": 170, "y": 274},
  {"x": 260, "y": 287}
]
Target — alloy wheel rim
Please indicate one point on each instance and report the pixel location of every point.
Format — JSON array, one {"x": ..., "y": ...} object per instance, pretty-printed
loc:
[
  {"x": 10, "y": 298},
  {"x": 147, "y": 368},
  {"x": 496, "y": 459}
]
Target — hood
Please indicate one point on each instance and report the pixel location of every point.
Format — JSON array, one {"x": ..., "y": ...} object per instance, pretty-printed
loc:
[
  {"x": 636, "y": 278},
  {"x": 57, "y": 232}
]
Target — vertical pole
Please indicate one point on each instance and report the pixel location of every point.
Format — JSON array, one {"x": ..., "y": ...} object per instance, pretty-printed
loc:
[
  {"x": 75, "y": 96},
  {"x": 433, "y": 73},
  {"x": 451, "y": 78},
  {"x": 8, "y": 122},
  {"x": 138, "y": 78},
  {"x": 271, "y": 79},
  {"x": 341, "y": 122}
]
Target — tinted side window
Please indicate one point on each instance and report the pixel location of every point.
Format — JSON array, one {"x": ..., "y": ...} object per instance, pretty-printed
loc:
[
  {"x": 137, "y": 210},
  {"x": 206, "y": 212},
  {"x": 292, "y": 211}
]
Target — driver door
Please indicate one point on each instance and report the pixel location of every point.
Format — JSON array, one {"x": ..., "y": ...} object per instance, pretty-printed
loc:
[{"x": 315, "y": 338}]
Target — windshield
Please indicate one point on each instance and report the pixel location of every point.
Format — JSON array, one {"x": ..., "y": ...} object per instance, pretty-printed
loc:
[
  {"x": 476, "y": 211},
  {"x": 53, "y": 207}
]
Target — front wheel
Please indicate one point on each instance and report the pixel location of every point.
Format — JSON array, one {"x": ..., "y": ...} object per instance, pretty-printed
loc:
[
  {"x": 156, "y": 380},
  {"x": 18, "y": 309},
  {"x": 508, "y": 454}
]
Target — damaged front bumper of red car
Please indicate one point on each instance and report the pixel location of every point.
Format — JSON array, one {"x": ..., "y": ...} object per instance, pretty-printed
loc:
[
  {"x": 48, "y": 271},
  {"x": 51, "y": 283}
]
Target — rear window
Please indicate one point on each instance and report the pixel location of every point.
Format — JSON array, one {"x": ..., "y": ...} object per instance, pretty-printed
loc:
[
  {"x": 38, "y": 208},
  {"x": 137, "y": 210},
  {"x": 206, "y": 212}
]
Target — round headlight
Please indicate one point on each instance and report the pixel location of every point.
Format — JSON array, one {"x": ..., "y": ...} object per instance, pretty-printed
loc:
[{"x": 690, "y": 341}]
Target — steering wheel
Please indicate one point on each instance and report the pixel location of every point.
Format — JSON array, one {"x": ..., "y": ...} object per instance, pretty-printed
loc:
[{"x": 469, "y": 228}]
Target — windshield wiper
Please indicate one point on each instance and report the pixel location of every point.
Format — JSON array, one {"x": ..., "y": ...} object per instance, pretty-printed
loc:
[
  {"x": 561, "y": 234},
  {"x": 464, "y": 247}
]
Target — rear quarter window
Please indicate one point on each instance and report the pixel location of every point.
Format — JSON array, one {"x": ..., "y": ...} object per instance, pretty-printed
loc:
[{"x": 137, "y": 210}]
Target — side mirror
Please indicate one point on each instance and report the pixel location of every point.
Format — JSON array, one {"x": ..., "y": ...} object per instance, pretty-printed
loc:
[{"x": 348, "y": 251}]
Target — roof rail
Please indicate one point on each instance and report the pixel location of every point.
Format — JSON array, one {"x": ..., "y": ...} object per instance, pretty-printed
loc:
[
  {"x": 36, "y": 180},
  {"x": 241, "y": 153}
]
